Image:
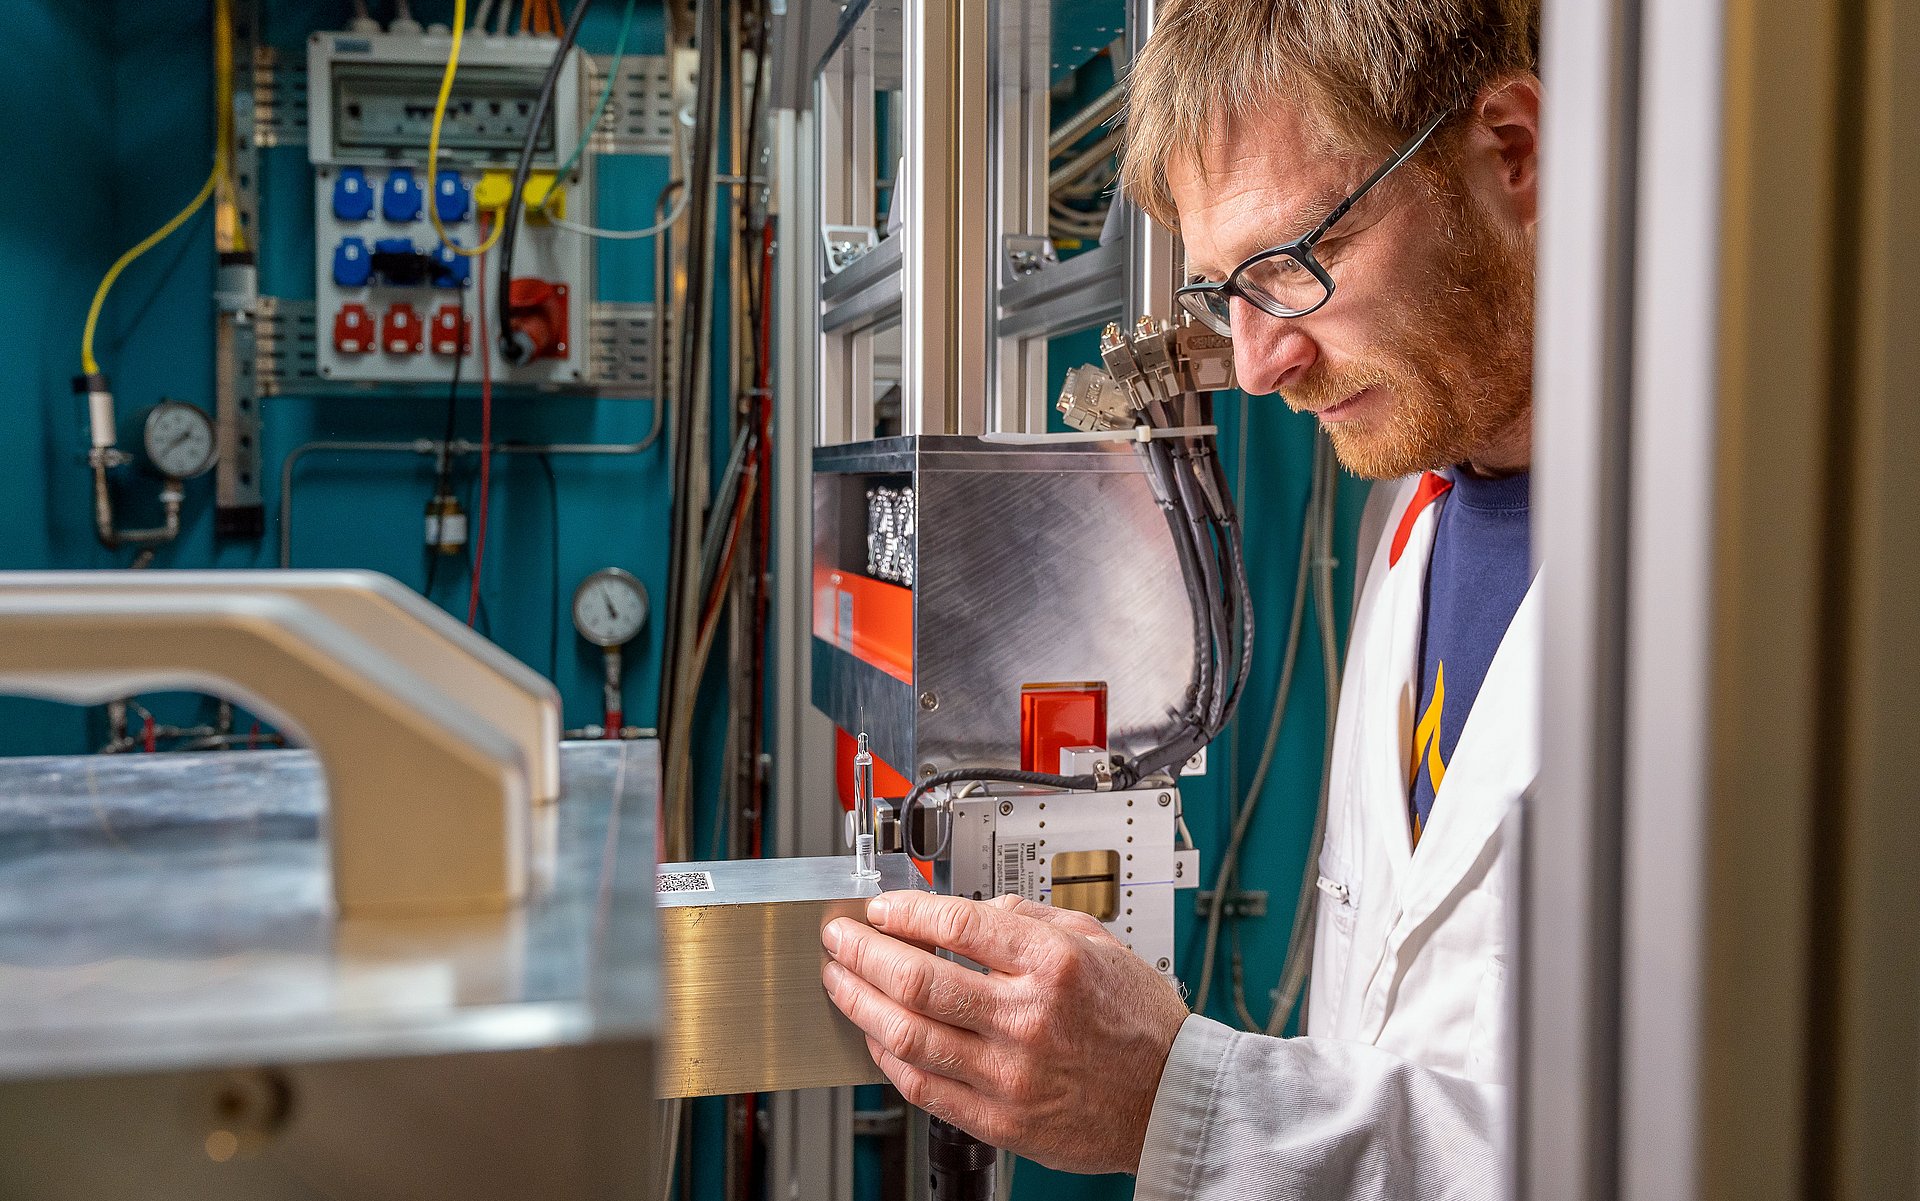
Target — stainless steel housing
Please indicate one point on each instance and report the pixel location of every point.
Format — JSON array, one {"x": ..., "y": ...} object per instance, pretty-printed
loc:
[
  {"x": 182, "y": 1015},
  {"x": 1034, "y": 564}
]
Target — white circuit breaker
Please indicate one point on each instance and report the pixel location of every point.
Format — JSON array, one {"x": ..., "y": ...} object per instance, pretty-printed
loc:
[
  {"x": 388, "y": 296},
  {"x": 1113, "y": 855}
]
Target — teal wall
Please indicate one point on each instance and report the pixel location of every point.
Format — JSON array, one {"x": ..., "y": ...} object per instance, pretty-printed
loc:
[
  {"x": 109, "y": 133},
  {"x": 110, "y": 109}
]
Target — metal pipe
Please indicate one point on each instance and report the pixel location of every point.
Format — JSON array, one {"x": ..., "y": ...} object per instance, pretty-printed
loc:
[
  {"x": 170, "y": 498},
  {"x": 433, "y": 447},
  {"x": 420, "y": 446}
]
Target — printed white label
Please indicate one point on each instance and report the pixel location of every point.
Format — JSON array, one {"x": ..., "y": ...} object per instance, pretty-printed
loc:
[{"x": 1014, "y": 870}]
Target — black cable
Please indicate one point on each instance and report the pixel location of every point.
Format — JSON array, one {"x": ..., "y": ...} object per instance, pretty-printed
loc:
[
  {"x": 517, "y": 350},
  {"x": 1159, "y": 466},
  {"x": 1211, "y": 586},
  {"x": 1194, "y": 496},
  {"x": 958, "y": 775},
  {"x": 688, "y": 359},
  {"x": 1231, "y": 534}
]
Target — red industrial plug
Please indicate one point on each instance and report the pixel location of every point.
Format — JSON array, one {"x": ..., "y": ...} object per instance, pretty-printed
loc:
[
  {"x": 452, "y": 331},
  {"x": 400, "y": 330},
  {"x": 537, "y": 315},
  {"x": 353, "y": 329}
]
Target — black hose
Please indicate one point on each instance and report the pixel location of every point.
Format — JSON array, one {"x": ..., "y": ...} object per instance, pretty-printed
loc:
[
  {"x": 517, "y": 350},
  {"x": 691, "y": 334},
  {"x": 959, "y": 775}
]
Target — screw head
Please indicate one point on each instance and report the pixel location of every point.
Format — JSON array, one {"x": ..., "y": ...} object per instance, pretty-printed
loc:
[
  {"x": 1165, "y": 800},
  {"x": 926, "y": 771},
  {"x": 1164, "y": 964},
  {"x": 1006, "y": 808},
  {"x": 929, "y": 701}
]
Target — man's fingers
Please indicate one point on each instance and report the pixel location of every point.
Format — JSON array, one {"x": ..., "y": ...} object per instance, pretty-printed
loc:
[
  {"x": 923, "y": 982},
  {"x": 911, "y": 1038},
  {"x": 986, "y": 934},
  {"x": 948, "y": 1100}
]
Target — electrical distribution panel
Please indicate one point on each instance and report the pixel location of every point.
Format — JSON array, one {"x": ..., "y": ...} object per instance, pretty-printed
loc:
[{"x": 388, "y": 295}]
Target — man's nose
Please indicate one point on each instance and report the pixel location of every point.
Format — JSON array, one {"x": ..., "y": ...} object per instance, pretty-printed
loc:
[{"x": 1268, "y": 351}]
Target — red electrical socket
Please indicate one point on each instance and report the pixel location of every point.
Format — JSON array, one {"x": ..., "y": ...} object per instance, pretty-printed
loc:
[
  {"x": 400, "y": 330},
  {"x": 353, "y": 329},
  {"x": 538, "y": 309},
  {"x": 452, "y": 330}
]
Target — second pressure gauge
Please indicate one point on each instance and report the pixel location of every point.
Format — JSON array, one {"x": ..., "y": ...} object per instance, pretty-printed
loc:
[
  {"x": 609, "y": 607},
  {"x": 178, "y": 439}
]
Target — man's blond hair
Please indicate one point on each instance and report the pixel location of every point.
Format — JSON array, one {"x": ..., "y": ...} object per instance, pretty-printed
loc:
[{"x": 1368, "y": 71}]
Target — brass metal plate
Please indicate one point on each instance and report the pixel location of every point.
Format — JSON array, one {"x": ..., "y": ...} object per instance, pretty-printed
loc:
[
  {"x": 1087, "y": 881},
  {"x": 741, "y": 955}
]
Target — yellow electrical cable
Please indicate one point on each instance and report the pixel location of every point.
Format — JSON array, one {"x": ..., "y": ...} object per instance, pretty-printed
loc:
[
  {"x": 433, "y": 146},
  {"x": 223, "y": 100}
]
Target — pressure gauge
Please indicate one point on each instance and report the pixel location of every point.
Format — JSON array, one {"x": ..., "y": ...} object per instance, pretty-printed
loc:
[
  {"x": 609, "y": 607},
  {"x": 179, "y": 440}
]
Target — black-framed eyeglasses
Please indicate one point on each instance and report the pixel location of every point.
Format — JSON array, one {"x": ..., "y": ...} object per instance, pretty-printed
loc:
[{"x": 1287, "y": 280}]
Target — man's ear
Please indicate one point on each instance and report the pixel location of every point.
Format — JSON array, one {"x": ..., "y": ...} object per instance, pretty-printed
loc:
[{"x": 1501, "y": 158}]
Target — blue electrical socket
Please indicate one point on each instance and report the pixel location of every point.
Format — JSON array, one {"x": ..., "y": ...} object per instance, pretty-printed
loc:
[
  {"x": 400, "y": 199},
  {"x": 352, "y": 265},
  {"x": 450, "y": 270},
  {"x": 352, "y": 195},
  {"x": 451, "y": 197}
]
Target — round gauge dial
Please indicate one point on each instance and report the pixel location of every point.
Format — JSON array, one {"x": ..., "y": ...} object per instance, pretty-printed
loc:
[
  {"x": 179, "y": 440},
  {"x": 609, "y": 607}
]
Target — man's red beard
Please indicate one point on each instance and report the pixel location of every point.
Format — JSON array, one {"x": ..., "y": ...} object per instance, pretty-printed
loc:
[{"x": 1455, "y": 364}]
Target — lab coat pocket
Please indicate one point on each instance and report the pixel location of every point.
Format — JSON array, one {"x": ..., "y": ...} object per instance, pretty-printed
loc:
[
  {"x": 1333, "y": 946},
  {"x": 1487, "y": 1043}
]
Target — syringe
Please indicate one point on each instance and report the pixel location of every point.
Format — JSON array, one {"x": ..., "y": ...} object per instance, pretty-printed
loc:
[{"x": 865, "y": 867}]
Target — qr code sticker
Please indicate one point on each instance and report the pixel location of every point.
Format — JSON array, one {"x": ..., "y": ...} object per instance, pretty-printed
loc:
[{"x": 683, "y": 882}]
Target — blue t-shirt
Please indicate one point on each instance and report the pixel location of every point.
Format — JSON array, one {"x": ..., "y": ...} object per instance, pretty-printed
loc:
[{"x": 1476, "y": 579}]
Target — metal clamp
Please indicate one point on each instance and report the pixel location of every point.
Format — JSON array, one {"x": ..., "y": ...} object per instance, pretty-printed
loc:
[{"x": 429, "y": 810}]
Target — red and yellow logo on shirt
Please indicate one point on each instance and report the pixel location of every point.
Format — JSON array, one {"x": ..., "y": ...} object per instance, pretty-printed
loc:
[{"x": 1426, "y": 742}]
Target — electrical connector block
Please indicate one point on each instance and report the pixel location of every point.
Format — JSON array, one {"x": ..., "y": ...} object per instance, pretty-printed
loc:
[{"x": 1091, "y": 400}]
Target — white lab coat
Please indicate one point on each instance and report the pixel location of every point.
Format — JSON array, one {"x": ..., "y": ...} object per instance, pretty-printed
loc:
[{"x": 1396, "y": 1089}]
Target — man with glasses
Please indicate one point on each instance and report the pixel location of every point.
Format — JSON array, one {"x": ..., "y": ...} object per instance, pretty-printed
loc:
[{"x": 1354, "y": 185}]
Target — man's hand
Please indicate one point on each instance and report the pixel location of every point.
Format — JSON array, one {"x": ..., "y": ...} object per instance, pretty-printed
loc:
[{"x": 1055, "y": 1053}]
